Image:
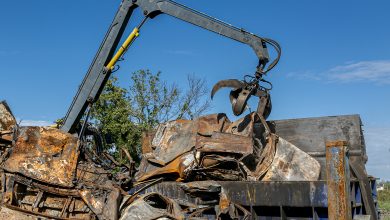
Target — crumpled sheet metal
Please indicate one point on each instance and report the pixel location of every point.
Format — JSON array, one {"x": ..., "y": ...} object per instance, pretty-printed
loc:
[
  {"x": 202, "y": 190},
  {"x": 158, "y": 145},
  {"x": 209, "y": 124},
  {"x": 229, "y": 210},
  {"x": 7, "y": 125},
  {"x": 168, "y": 151},
  {"x": 7, "y": 120},
  {"x": 232, "y": 211},
  {"x": 263, "y": 160},
  {"x": 213, "y": 194},
  {"x": 243, "y": 126},
  {"x": 177, "y": 170},
  {"x": 176, "y": 144},
  {"x": 172, "y": 139},
  {"x": 106, "y": 207},
  {"x": 217, "y": 167},
  {"x": 201, "y": 187},
  {"x": 45, "y": 154},
  {"x": 225, "y": 142},
  {"x": 43, "y": 175},
  {"x": 223, "y": 150},
  {"x": 152, "y": 206},
  {"x": 292, "y": 164},
  {"x": 95, "y": 195}
]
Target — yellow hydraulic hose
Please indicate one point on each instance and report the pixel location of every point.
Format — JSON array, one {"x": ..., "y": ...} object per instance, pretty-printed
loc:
[{"x": 123, "y": 48}]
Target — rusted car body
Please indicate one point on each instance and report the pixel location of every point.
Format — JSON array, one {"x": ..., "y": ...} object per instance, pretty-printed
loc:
[{"x": 42, "y": 174}]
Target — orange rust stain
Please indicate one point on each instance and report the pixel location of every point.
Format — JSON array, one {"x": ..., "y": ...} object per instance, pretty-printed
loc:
[
  {"x": 45, "y": 154},
  {"x": 337, "y": 186}
]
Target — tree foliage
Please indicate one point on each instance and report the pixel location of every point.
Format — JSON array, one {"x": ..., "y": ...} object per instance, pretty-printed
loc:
[{"x": 124, "y": 114}]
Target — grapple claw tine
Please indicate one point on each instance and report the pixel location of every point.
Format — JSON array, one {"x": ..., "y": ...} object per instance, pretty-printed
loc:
[{"x": 229, "y": 83}]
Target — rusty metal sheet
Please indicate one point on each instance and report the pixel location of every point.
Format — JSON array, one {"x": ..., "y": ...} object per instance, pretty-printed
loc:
[
  {"x": 217, "y": 167},
  {"x": 243, "y": 126},
  {"x": 292, "y": 164},
  {"x": 309, "y": 134},
  {"x": 177, "y": 170},
  {"x": 45, "y": 154},
  {"x": 104, "y": 204},
  {"x": 7, "y": 120},
  {"x": 147, "y": 138},
  {"x": 212, "y": 123},
  {"x": 264, "y": 160},
  {"x": 224, "y": 142},
  {"x": 211, "y": 196},
  {"x": 226, "y": 209},
  {"x": 201, "y": 188},
  {"x": 7, "y": 125},
  {"x": 9, "y": 214},
  {"x": 214, "y": 147},
  {"x": 173, "y": 139}
]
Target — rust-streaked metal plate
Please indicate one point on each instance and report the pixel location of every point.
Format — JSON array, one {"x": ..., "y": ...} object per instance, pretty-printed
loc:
[
  {"x": 292, "y": 164},
  {"x": 225, "y": 143},
  {"x": 45, "y": 154},
  {"x": 177, "y": 169},
  {"x": 173, "y": 139}
]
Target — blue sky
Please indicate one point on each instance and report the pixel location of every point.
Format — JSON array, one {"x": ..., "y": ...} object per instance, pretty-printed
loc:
[{"x": 335, "y": 59}]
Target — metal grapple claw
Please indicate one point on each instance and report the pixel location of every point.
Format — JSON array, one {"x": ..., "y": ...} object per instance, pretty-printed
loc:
[
  {"x": 241, "y": 93},
  {"x": 229, "y": 83}
]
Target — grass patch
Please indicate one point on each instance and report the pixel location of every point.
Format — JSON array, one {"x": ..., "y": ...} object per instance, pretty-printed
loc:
[
  {"x": 384, "y": 205},
  {"x": 384, "y": 202}
]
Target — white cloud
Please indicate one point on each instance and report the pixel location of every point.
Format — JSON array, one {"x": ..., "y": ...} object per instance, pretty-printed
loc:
[
  {"x": 376, "y": 71},
  {"x": 35, "y": 123},
  {"x": 370, "y": 71},
  {"x": 378, "y": 151}
]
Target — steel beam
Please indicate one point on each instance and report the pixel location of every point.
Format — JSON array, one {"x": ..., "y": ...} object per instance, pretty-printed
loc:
[{"x": 338, "y": 179}]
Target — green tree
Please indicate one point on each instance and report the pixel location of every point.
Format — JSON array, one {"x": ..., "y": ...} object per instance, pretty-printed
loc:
[
  {"x": 124, "y": 114},
  {"x": 111, "y": 114}
]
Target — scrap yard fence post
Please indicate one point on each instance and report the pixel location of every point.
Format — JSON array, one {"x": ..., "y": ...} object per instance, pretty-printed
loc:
[{"x": 338, "y": 179}]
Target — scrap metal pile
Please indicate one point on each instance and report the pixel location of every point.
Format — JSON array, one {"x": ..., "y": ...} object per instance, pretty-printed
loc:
[
  {"x": 213, "y": 148},
  {"x": 49, "y": 173}
]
